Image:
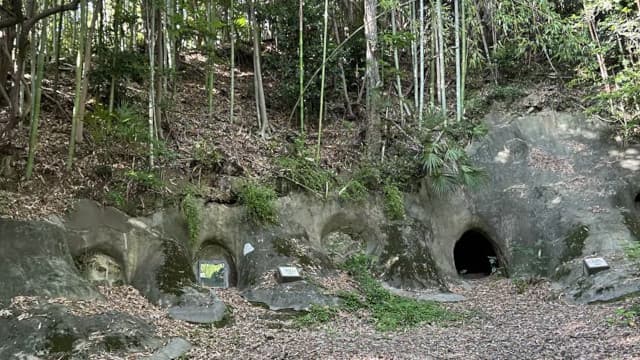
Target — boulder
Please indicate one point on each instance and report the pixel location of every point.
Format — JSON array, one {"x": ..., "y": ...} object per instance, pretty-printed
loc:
[
  {"x": 54, "y": 331},
  {"x": 297, "y": 296},
  {"x": 199, "y": 306},
  {"x": 35, "y": 261}
]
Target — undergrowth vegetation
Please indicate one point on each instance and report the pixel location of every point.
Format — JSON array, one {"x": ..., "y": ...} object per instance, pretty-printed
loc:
[
  {"x": 260, "y": 202},
  {"x": 388, "y": 311}
]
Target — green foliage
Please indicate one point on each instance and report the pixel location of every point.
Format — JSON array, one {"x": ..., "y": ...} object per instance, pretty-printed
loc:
[
  {"x": 390, "y": 312},
  {"x": 301, "y": 168},
  {"x": 507, "y": 93},
  {"x": 146, "y": 179},
  {"x": 538, "y": 32},
  {"x": 354, "y": 190},
  {"x": 123, "y": 65},
  {"x": 317, "y": 315},
  {"x": 191, "y": 212},
  {"x": 393, "y": 202},
  {"x": 628, "y": 316},
  {"x": 207, "y": 156},
  {"x": 633, "y": 251},
  {"x": 126, "y": 125},
  {"x": 448, "y": 168},
  {"x": 117, "y": 198},
  {"x": 260, "y": 202},
  {"x": 278, "y": 64}
]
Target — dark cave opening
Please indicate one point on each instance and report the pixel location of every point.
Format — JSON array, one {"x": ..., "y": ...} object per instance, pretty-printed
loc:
[
  {"x": 475, "y": 255},
  {"x": 636, "y": 201}
]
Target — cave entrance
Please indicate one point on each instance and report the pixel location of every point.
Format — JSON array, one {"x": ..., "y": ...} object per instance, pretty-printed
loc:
[{"x": 475, "y": 255}]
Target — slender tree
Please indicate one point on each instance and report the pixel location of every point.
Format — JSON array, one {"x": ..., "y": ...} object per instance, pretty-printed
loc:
[
  {"x": 78, "y": 83},
  {"x": 232, "y": 75},
  {"x": 373, "y": 135},
  {"x": 396, "y": 63},
  {"x": 261, "y": 106},
  {"x": 456, "y": 31},
  {"x": 441, "y": 60},
  {"x": 37, "y": 92},
  {"x": 301, "y": 62},
  {"x": 322, "y": 76}
]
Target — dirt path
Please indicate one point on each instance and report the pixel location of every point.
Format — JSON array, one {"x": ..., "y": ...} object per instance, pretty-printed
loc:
[{"x": 502, "y": 324}]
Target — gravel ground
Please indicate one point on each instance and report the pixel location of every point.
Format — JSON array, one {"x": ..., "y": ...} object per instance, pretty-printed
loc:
[{"x": 500, "y": 324}]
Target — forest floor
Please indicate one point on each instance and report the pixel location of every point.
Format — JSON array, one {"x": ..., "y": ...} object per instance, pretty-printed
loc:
[
  {"x": 500, "y": 322},
  {"x": 234, "y": 148}
]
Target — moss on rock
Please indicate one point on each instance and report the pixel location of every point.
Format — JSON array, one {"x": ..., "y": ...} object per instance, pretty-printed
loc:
[
  {"x": 176, "y": 270},
  {"x": 574, "y": 242}
]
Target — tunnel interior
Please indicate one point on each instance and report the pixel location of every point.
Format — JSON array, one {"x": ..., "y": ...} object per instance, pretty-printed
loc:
[{"x": 474, "y": 255}]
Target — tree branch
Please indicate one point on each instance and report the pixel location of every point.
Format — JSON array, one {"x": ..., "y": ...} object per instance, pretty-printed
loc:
[{"x": 29, "y": 22}]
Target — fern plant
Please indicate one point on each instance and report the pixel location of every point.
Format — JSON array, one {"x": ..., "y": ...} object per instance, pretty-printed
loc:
[{"x": 448, "y": 168}]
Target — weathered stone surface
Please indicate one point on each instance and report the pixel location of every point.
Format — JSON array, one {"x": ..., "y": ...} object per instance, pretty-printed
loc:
[
  {"x": 436, "y": 296},
  {"x": 52, "y": 329},
  {"x": 150, "y": 258},
  {"x": 175, "y": 348},
  {"x": 200, "y": 306},
  {"x": 297, "y": 296},
  {"x": 35, "y": 260}
]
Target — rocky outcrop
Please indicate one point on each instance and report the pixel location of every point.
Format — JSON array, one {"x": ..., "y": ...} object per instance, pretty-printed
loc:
[
  {"x": 35, "y": 261},
  {"x": 559, "y": 189},
  {"x": 52, "y": 330}
]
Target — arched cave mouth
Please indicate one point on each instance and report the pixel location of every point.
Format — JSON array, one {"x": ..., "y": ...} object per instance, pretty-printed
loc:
[
  {"x": 474, "y": 255},
  {"x": 636, "y": 201},
  {"x": 214, "y": 267}
]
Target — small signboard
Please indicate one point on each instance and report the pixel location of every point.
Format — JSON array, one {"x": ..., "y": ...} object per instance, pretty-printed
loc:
[
  {"x": 213, "y": 273},
  {"x": 595, "y": 265},
  {"x": 289, "y": 273}
]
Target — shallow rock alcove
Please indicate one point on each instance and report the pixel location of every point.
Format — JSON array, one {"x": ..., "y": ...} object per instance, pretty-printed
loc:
[
  {"x": 101, "y": 269},
  {"x": 214, "y": 267},
  {"x": 475, "y": 255}
]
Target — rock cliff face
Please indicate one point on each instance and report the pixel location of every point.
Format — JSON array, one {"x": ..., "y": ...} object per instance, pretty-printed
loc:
[{"x": 559, "y": 189}]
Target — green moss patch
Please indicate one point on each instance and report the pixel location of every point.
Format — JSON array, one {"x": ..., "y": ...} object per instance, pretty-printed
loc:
[{"x": 574, "y": 242}]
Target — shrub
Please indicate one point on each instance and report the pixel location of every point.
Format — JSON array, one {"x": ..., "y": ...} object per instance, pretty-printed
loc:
[
  {"x": 354, "y": 190},
  {"x": 259, "y": 201},
  {"x": 301, "y": 169},
  {"x": 389, "y": 311},
  {"x": 393, "y": 202},
  {"x": 145, "y": 179}
]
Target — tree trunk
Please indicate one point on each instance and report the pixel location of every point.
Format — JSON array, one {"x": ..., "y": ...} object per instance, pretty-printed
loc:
[
  {"x": 456, "y": 31},
  {"x": 78, "y": 95},
  {"x": 37, "y": 93},
  {"x": 86, "y": 69},
  {"x": 322, "y": 76},
  {"x": 373, "y": 135},
  {"x": 301, "y": 62},
  {"x": 441, "y": 71},
  {"x": 232, "y": 72},
  {"x": 260, "y": 100}
]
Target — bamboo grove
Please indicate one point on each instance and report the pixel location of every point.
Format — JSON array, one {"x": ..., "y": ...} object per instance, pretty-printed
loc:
[{"x": 414, "y": 63}]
